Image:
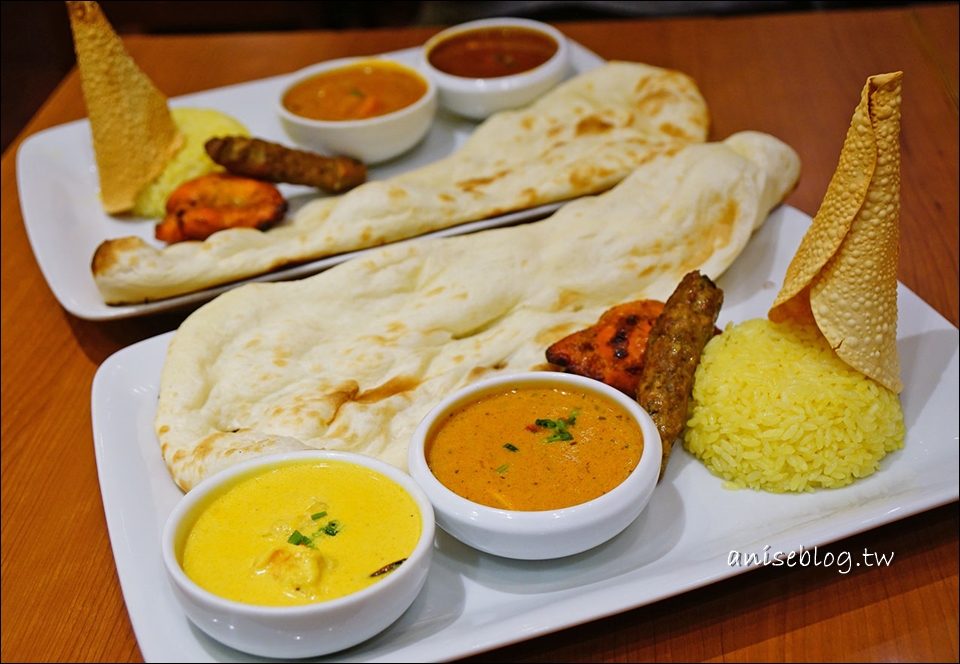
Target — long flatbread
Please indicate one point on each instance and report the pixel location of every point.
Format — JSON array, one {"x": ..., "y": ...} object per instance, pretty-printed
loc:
[
  {"x": 353, "y": 358},
  {"x": 581, "y": 138}
]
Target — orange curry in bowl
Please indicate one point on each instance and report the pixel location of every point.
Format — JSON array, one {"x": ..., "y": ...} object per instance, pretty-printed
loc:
[
  {"x": 356, "y": 92},
  {"x": 535, "y": 448}
]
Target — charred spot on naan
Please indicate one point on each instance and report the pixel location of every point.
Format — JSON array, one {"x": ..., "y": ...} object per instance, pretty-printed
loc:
[
  {"x": 319, "y": 408},
  {"x": 656, "y": 94},
  {"x": 221, "y": 449},
  {"x": 593, "y": 124},
  {"x": 587, "y": 178},
  {"x": 207, "y": 447},
  {"x": 316, "y": 410},
  {"x": 715, "y": 234},
  {"x": 476, "y": 183},
  {"x": 391, "y": 388},
  {"x": 567, "y": 300},
  {"x": 481, "y": 371},
  {"x": 654, "y": 102},
  {"x": 281, "y": 357},
  {"x": 671, "y": 129}
]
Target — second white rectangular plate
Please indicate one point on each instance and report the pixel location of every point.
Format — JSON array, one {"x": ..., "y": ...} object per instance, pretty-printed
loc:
[{"x": 58, "y": 187}]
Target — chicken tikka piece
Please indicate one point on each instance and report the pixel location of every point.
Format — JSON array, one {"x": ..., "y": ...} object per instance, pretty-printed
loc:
[{"x": 612, "y": 350}]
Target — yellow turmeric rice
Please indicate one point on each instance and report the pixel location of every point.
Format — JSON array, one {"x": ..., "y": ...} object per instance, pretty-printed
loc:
[
  {"x": 197, "y": 126},
  {"x": 774, "y": 408}
]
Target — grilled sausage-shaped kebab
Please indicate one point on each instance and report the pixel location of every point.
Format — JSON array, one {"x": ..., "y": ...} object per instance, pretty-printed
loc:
[{"x": 673, "y": 351}]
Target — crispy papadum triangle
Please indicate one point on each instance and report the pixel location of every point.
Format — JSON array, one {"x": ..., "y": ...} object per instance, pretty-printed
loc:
[
  {"x": 354, "y": 357},
  {"x": 580, "y": 138},
  {"x": 134, "y": 135},
  {"x": 844, "y": 274}
]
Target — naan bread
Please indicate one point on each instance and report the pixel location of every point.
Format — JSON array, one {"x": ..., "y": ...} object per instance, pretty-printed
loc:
[
  {"x": 354, "y": 357},
  {"x": 581, "y": 138}
]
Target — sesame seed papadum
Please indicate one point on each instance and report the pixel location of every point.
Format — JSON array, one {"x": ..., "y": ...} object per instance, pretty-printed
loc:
[
  {"x": 844, "y": 274},
  {"x": 134, "y": 134}
]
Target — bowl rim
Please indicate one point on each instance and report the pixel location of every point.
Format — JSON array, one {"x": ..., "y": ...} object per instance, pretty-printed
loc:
[
  {"x": 496, "y": 83},
  {"x": 301, "y": 75},
  {"x": 487, "y": 518},
  {"x": 194, "y": 501}
]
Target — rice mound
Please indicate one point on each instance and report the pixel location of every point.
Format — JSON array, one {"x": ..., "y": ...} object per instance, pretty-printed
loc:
[
  {"x": 775, "y": 409},
  {"x": 197, "y": 126}
]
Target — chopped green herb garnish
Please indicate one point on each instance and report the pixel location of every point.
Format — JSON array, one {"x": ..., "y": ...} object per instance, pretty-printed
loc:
[
  {"x": 560, "y": 425},
  {"x": 298, "y": 539},
  {"x": 356, "y": 92},
  {"x": 502, "y": 468},
  {"x": 562, "y": 434},
  {"x": 332, "y": 528},
  {"x": 511, "y": 447}
]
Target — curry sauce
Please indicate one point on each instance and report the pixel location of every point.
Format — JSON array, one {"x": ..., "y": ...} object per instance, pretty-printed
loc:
[
  {"x": 302, "y": 532},
  {"x": 355, "y": 92},
  {"x": 535, "y": 448},
  {"x": 492, "y": 52}
]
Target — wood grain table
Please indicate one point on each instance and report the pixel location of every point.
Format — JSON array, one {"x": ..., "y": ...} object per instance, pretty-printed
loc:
[{"x": 796, "y": 76}]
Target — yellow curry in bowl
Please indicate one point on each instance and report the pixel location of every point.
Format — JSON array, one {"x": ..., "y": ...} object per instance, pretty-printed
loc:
[{"x": 302, "y": 532}]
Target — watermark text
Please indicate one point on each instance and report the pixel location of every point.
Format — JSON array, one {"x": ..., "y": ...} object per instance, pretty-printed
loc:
[{"x": 844, "y": 561}]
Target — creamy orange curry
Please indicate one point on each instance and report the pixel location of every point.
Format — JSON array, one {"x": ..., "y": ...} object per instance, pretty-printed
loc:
[
  {"x": 535, "y": 448},
  {"x": 354, "y": 92}
]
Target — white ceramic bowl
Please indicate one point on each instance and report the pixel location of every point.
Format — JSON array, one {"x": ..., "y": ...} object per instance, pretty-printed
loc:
[
  {"x": 478, "y": 98},
  {"x": 371, "y": 140},
  {"x": 545, "y": 534},
  {"x": 298, "y": 631}
]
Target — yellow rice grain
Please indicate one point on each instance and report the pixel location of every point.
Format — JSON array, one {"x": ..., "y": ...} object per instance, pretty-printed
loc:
[
  {"x": 775, "y": 409},
  {"x": 197, "y": 126}
]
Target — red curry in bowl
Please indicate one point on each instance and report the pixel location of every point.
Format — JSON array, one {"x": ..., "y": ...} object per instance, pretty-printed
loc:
[{"x": 492, "y": 52}]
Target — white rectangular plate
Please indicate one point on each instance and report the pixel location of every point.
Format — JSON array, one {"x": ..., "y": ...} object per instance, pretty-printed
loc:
[
  {"x": 473, "y": 602},
  {"x": 59, "y": 192}
]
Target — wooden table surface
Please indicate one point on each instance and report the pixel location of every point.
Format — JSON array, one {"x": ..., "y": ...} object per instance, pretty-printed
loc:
[{"x": 796, "y": 76}]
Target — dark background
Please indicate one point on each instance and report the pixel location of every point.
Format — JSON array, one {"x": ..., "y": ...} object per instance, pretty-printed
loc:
[{"x": 37, "y": 47}]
